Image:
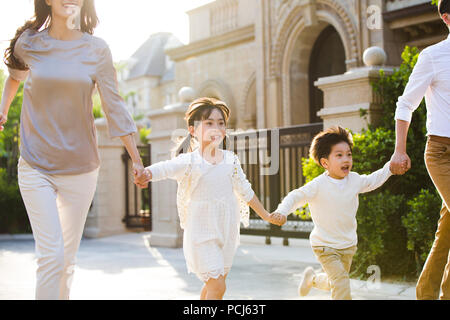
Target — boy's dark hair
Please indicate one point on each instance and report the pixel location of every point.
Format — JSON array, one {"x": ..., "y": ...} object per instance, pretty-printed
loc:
[
  {"x": 444, "y": 7},
  {"x": 324, "y": 141}
]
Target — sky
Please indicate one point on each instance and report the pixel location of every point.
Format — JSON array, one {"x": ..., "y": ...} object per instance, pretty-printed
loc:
[{"x": 124, "y": 24}]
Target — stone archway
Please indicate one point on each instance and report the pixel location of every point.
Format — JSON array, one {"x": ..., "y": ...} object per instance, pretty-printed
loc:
[
  {"x": 295, "y": 40},
  {"x": 327, "y": 59},
  {"x": 247, "y": 109},
  {"x": 220, "y": 90}
]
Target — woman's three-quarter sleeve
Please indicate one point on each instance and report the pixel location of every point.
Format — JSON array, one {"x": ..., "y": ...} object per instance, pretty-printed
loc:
[
  {"x": 120, "y": 122},
  {"x": 20, "y": 54}
]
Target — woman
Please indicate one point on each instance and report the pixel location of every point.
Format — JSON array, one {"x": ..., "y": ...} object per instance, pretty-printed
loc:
[{"x": 59, "y": 161}]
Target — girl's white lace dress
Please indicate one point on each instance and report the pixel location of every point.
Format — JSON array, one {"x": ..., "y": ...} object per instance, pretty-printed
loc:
[{"x": 212, "y": 201}]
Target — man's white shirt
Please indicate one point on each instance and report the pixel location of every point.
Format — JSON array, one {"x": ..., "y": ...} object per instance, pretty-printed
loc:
[{"x": 430, "y": 78}]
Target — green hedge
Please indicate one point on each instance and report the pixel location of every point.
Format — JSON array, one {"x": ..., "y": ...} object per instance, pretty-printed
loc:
[{"x": 13, "y": 216}]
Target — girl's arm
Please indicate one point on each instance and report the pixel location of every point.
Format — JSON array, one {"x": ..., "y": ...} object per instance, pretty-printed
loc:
[
  {"x": 258, "y": 207},
  {"x": 168, "y": 169},
  {"x": 245, "y": 191},
  {"x": 9, "y": 92}
]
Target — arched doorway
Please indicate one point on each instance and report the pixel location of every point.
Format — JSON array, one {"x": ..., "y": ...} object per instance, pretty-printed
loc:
[
  {"x": 327, "y": 59},
  {"x": 220, "y": 90}
]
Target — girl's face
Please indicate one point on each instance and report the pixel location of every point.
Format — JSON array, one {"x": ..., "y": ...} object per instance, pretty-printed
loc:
[
  {"x": 65, "y": 8},
  {"x": 210, "y": 131},
  {"x": 340, "y": 161}
]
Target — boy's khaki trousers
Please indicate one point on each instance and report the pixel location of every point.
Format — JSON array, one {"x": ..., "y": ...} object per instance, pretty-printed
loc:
[{"x": 336, "y": 263}]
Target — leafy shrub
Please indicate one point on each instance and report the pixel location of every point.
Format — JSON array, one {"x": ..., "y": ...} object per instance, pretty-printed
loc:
[
  {"x": 420, "y": 222},
  {"x": 13, "y": 216}
]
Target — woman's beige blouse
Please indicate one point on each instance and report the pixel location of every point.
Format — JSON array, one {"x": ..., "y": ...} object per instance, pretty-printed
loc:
[{"x": 57, "y": 128}]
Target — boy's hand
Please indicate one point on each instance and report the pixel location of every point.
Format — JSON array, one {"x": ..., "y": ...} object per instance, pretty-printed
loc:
[
  {"x": 277, "y": 219},
  {"x": 400, "y": 163}
]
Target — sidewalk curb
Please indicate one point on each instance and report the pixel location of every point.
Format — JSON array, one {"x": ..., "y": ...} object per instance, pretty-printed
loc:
[{"x": 16, "y": 237}]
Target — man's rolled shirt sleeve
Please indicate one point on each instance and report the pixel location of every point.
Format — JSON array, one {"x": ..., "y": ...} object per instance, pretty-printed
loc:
[{"x": 418, "y": 83}]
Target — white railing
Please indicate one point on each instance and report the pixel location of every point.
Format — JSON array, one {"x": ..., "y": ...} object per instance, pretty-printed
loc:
[
  {"x": 392, "y": 5},
  {"x": 224, "y": 16}
]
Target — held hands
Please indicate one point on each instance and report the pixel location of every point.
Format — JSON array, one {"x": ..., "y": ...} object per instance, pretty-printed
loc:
[
  {"x": 400, "y": 163},
  {"x": 141, "y": 175},
  {"x": 276, "y": 218}
]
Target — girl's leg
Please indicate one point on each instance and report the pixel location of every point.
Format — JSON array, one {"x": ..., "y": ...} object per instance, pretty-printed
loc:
[
  {"x": 203, "y": 293},
  {"x": 39, "y": 197},
  {"x": 214, "y": 289},
  {"x": 75, "y": 194}
]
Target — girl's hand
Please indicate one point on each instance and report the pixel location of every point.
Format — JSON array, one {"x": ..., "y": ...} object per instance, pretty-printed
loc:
[
  {"x": 277, "y": 219},
  {"x": 3, "y": 119},
  {"x": 141, "y": 175}
]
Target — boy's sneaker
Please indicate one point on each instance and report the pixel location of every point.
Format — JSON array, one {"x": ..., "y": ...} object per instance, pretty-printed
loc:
[{"x": 307, "y": 281}]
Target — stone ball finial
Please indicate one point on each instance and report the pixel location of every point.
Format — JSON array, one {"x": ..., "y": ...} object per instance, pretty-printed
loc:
[
  {"x": 186, "y": 94},
  {"x": 374, "y": 56}
]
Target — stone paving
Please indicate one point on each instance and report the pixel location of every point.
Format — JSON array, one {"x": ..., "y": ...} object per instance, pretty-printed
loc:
[{"x": 125, "y": 267}]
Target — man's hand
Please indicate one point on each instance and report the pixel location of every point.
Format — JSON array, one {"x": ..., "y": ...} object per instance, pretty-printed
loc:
[{"x": 400, "y": 163}]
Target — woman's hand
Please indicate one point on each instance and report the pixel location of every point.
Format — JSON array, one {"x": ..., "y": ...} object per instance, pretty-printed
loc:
[
  {"x": 141, "y": 175},
  {"x": 3, "y": 119},
  {"x": 9, "y": 92}
]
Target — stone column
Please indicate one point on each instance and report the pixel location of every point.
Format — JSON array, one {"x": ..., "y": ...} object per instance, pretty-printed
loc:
[
  {"x": 166, "y": 122},
  {"x": 350, "y": 95},
  {"x": 108, "y": 208}
]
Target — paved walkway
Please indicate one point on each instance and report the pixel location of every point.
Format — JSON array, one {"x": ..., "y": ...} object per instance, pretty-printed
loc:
[{"x": 124, "y": 267}]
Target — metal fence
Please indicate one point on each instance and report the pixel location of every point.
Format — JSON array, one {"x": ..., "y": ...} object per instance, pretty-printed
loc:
[
  {"x": 271, "y": 160},
  {"x": 138, "y": 202}
]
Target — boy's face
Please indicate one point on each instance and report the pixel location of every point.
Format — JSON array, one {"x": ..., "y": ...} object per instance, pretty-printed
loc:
[{"x": 339, "y": 163}]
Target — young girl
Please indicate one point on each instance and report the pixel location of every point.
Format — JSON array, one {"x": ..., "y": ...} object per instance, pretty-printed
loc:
[
  {"x": 59, "y": 164},
  {"x": 212, "y": 196}
]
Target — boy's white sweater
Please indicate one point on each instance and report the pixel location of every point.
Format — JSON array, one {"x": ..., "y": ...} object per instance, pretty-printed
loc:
[{"x": 333, "y": 206}]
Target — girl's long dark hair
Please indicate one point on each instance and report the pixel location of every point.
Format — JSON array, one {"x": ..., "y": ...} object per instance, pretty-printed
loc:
[{"x": 42, "y": 17}]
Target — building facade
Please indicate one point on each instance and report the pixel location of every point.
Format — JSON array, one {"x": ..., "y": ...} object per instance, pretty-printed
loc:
[
  {"x": 276, "y": 63},
  {"x": 263, "y": 57}
]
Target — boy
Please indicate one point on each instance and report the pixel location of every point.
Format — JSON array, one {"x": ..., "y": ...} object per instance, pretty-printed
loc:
[{"x": 333, "y": 202}]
